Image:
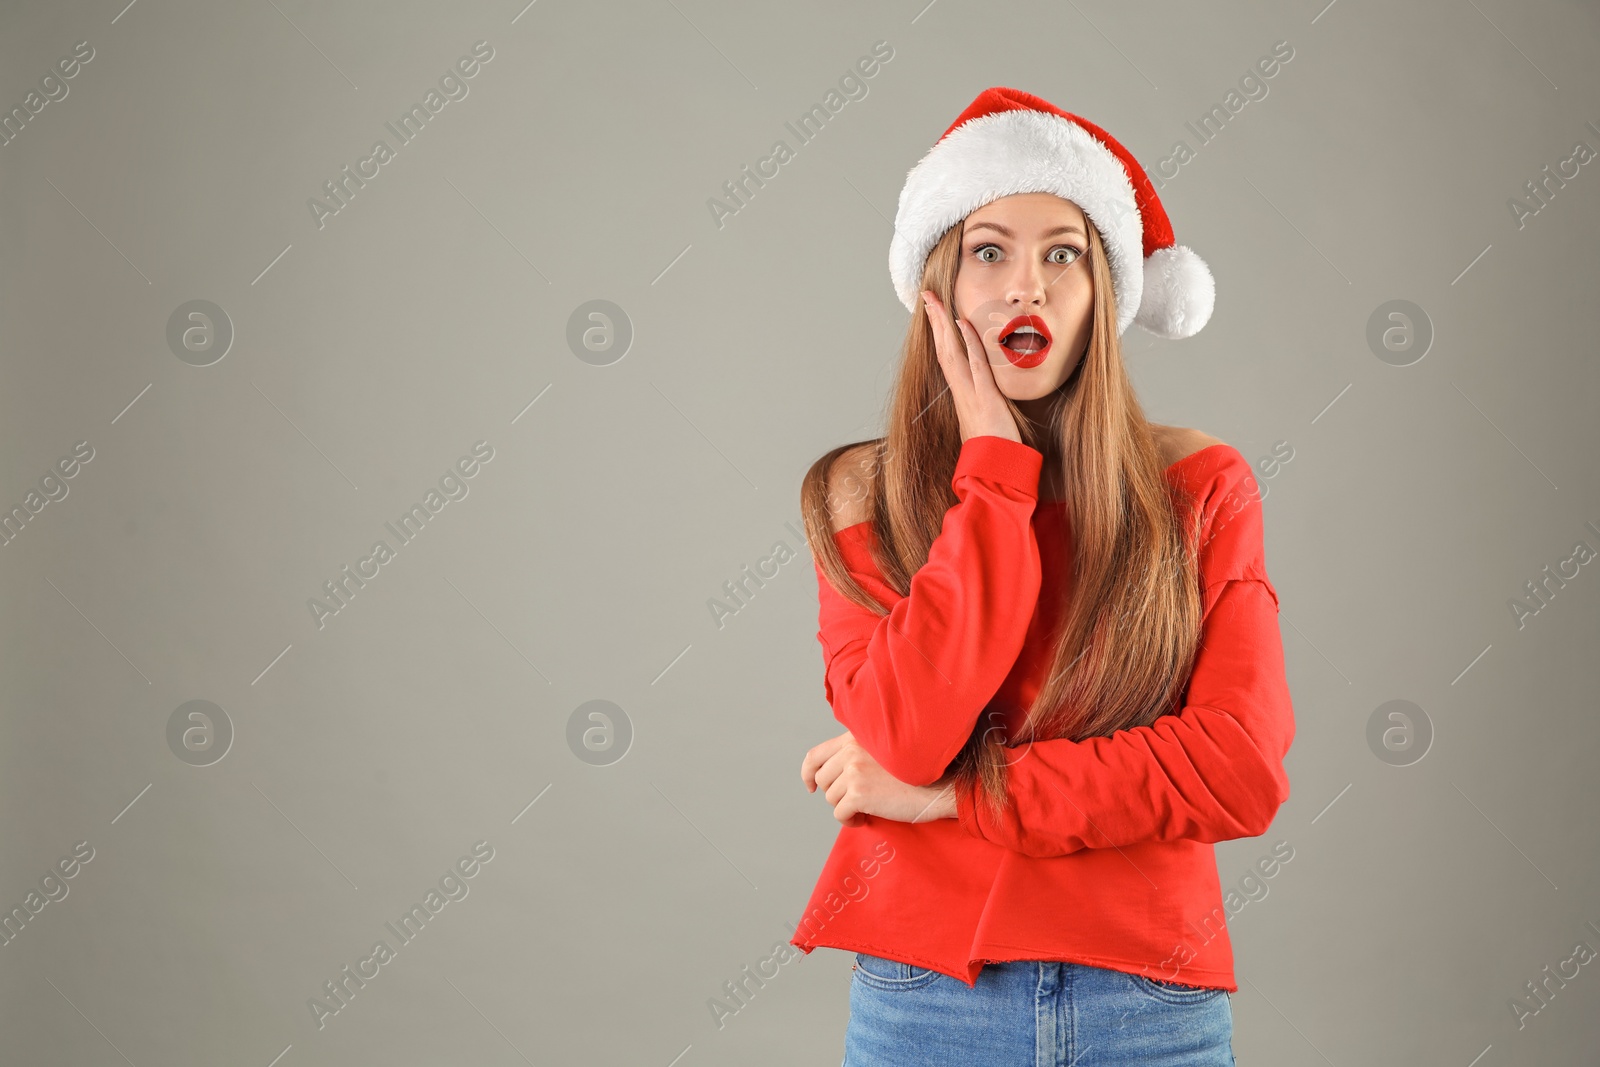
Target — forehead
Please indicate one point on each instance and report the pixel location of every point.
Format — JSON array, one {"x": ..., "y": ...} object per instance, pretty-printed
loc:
[{"x": 1028, "y": 210}]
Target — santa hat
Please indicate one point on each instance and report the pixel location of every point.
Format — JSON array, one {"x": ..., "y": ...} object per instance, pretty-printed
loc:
[{"x": 1008, "y": 141}]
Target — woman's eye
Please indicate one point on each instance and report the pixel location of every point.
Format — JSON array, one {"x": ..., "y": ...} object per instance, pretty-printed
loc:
[{"x": 991, "y": 254}]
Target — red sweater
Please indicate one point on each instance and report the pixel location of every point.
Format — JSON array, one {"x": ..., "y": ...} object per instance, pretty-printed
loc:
[{"x": 1104, "y": 853}]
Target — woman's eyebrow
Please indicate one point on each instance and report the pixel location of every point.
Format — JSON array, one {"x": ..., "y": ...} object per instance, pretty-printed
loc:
[{"x": 1006, "y": 232}]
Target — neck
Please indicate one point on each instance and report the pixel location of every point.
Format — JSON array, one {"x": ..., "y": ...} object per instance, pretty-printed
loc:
[
  {"x": 1040, "y": 412},
  {"x": 1040, "y": 415},
  {"x": 1050, "y": 484}
]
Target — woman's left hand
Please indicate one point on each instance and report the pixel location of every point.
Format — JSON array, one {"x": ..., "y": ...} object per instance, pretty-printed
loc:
[{"x": 856, "y": 785}]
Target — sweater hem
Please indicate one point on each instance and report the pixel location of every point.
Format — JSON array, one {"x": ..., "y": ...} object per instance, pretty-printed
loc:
[
  {"x": 1201, "y": 979},
  {"x": 856, "y": 945}
]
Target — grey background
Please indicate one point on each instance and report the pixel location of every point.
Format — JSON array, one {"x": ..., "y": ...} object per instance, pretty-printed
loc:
[{"x": 370, "y": 354}]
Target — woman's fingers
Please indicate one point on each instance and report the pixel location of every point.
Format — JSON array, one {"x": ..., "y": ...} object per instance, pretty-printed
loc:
[
  {"x": 976, "y": 353},
  {"x": 818, "y": 758},
  {"x": 983, "y": 383},
  {"x": 981, "y": 409},
  {"x": 843, "y": 801},
  {"x": 944, "y": 338},
  {"x": 823, "y": 768},
  {"x": 939, "y": 322},
  {"x": 980, "y": 405},
  {"x": 948, "y": 342}
]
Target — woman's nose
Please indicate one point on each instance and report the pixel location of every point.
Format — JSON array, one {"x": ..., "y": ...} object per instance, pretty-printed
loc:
[{"x": 1026, "y": 285}]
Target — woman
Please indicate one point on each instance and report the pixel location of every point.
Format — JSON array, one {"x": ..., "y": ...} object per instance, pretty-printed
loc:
[{"x": 1061, "y": 677}]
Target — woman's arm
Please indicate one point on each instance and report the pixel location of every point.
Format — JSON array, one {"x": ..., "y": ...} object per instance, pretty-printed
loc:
[
  {"x": 856, "y": 785},
  {"x": 911, "y": 684},
  {"x": 1213, "y": 771}
]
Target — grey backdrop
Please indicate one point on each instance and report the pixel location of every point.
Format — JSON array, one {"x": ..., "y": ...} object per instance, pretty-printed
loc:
[{"x": 234, "y": 855}]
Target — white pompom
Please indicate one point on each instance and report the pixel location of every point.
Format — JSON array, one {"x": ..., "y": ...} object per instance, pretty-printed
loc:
[{"x": 1179, "y": 293}]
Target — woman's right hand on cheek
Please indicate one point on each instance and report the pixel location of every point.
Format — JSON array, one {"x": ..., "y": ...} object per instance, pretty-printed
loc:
[{"x": 981, "y": 409}]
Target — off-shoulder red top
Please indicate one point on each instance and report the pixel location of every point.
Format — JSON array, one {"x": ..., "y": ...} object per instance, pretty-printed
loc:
[{"x": 1104, "y": 853}]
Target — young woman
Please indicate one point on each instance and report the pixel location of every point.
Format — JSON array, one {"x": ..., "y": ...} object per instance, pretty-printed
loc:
[{"x": 1061, "y": 677}]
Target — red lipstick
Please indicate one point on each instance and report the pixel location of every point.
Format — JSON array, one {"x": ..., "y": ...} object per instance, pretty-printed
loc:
[{"x": 1026, "y": 348}]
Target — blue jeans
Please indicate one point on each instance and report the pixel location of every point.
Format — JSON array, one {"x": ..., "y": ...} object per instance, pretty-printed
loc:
[{"x": 1031, "y": 1013}]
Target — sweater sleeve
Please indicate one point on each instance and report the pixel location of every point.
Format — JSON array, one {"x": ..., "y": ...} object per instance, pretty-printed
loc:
[
  {"x": 1211, "y": 771},
  {"x": 910, "y": 685}
]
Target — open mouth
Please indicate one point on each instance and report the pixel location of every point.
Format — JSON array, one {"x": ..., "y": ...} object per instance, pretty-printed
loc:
[{"x": 1025, "y": 340}]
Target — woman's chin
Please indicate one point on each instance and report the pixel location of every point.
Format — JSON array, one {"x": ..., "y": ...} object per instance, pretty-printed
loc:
[{"x": 1015, "y": 383}]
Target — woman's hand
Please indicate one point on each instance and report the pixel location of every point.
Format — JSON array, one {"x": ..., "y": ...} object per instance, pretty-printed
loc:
[
  {"x": 981, "y": 409},
  {"x": 856, "y": 785}
]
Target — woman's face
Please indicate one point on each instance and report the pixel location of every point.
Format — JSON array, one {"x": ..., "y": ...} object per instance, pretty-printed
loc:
[{"x": 1019, "y": 265}]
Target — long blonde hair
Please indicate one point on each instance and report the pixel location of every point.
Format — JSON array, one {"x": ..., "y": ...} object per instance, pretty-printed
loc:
[{"x": 1125, "y": 645}]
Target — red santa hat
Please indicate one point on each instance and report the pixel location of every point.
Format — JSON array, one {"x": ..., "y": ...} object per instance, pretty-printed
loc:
[{"x": 1007, "y": 142}]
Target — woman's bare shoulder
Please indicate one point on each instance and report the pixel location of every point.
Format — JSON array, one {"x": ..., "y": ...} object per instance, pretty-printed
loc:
[
  {"x": 851, "y": 477},
  {"x": 1180, "y": 442}
]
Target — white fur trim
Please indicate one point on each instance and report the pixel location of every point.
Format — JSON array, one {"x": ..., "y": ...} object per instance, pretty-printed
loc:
[
  {"x": 1012, "y": 152},
  {"x": 1179, "y": 293}
]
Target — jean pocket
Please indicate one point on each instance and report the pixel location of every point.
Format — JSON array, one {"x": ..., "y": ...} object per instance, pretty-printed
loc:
[
  {"x": 1173, "y": 992},
  {"x": 880, "y": 972}
]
